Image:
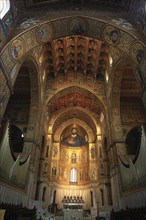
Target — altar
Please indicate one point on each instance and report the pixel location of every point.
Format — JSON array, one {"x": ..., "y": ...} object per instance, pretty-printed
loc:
[{"x": 73, "y": 208}]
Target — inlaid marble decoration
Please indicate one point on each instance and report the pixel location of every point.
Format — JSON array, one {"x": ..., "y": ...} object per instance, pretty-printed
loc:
[
  {"x": 77, "y": 25},
  {"x": 110, "y": 34},
  {"x": 138, "y": 52},
  {"x": 45, "y": 33},
  {"x": 16, "y": 49}
]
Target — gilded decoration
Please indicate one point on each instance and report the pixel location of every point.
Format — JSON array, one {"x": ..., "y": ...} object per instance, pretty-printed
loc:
[
  {"x": 95, "y": 28},
  {"x": 45, "y": 33},
  {"x": 125, "y": 42},
  {"x": 93, "y": 152},
  {"x": 7, "y": 59},
  {"x": 74, "y": 158},
  {"x": 30, "y": 39},
  {"x": 77, "y": 26},
  {"x": 138, "y": 52},
  {"x": 74, "y": 139},
  {"x": 93, "y": 173},
  {"x": 17, "y": 49},
  {"x": 61, "y": 25},
  {"x": 55, "y": 152},
  {"x": 71, "y": 154},
  {"x": 111, "y": 34}
]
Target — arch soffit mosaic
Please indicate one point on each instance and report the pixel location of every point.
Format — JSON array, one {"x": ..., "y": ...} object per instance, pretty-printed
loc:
[
  {"x": 115, "y": 113},
  {"x": 33, "y": 69},
  {"x": 117, "y": 77},
  {"x": 115, "y": 93},
  {"x": 66, "y": 89},
  {"x": 84, "y": 113},
  {"x": 83, "y": 124},
  {"x": 27, "y": 59},
  {"x": 76, "y": 109},
  {"x": 124, "y": 38},
  {"x": 70, "y": 89},
  {"x": 111, "y": 31},
  {"x": 32, "y": 66}
]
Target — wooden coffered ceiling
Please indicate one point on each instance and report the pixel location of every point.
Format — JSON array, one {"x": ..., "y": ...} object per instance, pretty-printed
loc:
[{"x": 76, "y": 54}]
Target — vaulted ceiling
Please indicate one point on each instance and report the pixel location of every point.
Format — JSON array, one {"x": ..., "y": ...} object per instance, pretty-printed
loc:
[{"x": 76, "y": 54}]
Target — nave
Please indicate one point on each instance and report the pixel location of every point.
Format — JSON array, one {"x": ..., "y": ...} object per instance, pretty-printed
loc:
[{"x": 72, "y": 109}]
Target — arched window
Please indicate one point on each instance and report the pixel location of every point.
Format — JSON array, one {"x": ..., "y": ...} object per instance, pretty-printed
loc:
[
  {"x": 4, "y": 7},
  {"x": 73, "y": 175}
]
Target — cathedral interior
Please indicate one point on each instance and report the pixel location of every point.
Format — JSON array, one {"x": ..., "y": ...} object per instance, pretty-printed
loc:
[{"x": 72, "y": 109}]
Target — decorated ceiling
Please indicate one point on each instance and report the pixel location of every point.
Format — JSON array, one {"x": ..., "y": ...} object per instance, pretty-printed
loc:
[
  {"x": 77, "y": 78},
  {"x": 75, "y": 48}
]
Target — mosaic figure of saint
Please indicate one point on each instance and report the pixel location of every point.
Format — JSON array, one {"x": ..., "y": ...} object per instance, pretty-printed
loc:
[
  {"x": 16, "y": 50},
  {"x": 53, "y": 171},
  {"x": 74, "y": 139},
  {"x": 139, "y": 55},
  {"x": 65, "y": 174},
  {"x": 93, "y": 153},
  {"x": 45, "y": 33},
  {"x": 55, "y": 151},
  {"x": 73, "y": 158},
  {"x": 77, "y": 26},
  {"x": 113, "y": 35}
]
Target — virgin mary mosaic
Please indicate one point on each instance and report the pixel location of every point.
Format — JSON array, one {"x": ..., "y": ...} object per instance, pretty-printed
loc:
[{"x": 74, "y": 139}]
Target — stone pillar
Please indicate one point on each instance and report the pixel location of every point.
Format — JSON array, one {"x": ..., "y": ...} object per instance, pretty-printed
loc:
[
  {"x": 115, "y": 190},
  {"x": 108, "y": 193},
  {"x": 105, "y": 195},
  {"x": 115, "y": 179},
  {"x": 4, "y": 99},
  {"x": 31, "y": 149},
  {"x": 144, "y": 97},
  {"x": 94, "y": 197}
]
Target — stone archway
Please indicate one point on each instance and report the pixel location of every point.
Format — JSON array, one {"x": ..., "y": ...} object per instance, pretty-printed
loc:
[
  {"x": 26, "y": 40},
  {"x": 116, "y": 108},
  {"x": 21, "y": 111},
  {"x": 111, "y": 33}
]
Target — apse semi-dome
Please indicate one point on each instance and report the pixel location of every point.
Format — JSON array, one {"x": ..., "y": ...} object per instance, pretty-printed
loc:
[{"x": 74, "y": 139}]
